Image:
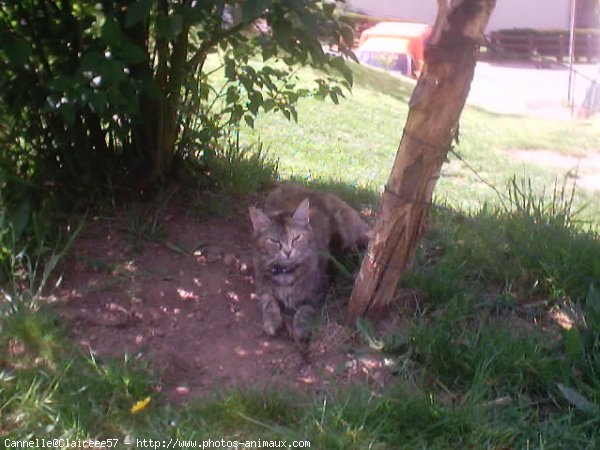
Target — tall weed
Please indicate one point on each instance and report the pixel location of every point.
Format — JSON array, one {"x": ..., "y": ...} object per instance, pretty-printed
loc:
[
  {"x": 28, "y": 255},
  {"x": 532, "y": 247},
  {"x": 238, "y": 169}
]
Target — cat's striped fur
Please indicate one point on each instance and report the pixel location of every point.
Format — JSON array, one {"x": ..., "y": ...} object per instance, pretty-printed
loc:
[{"x": 293, "y": 239}]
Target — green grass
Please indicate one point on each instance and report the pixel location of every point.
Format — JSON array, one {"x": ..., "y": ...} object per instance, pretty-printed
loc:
[
  {"x": 478, "y": 384},
  {"x": 478, "y": 364},
  {"x": 238, "y": 169},
  {"x": 355, "y": 142},
  {"x": 479, "y": 387}
]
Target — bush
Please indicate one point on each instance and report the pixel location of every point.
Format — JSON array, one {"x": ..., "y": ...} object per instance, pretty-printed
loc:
[{"x": 98, "y": 95}]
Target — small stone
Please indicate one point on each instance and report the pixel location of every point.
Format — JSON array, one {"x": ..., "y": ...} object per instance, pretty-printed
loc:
[
  {"x": 212, "y": 257},
  {"x": 229, "y": 259},
  {"x": 157, "y": 332}
]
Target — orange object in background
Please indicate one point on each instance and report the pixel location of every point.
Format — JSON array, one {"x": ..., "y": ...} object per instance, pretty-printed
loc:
[{"x": 394, "y": 46}]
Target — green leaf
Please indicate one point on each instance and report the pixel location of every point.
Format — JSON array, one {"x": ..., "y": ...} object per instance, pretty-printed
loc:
[
  {"x": 268, "y": 51},
  {"x": 232, "y": 95},
  {"x": 308, "y": 22},
  {"x": 247, "y": 82},
  {"x": 111, "y": 33},
  {"x": 67, "y": 110},
  {"x": 17, "y": 51},
  {"x": 137, "y": 12},
  {"x": 253, "y": 9},
  {"x": 338, "y": 63},
  {"x": 62, "y": 83},
  {"x": 317, "y": 54},
  {"x": 282, "y": 33},
  {"x": 236, "y": 114},
  {"x": 112, "y": 72},
  {"x": 52, "y": 101},
  {"x": 592, "y": 308},
  {"x": 129, "y": 97},
  {"x": 169, "y": 27},
  {"x": 20, "y": 218},
  {"x": 268, "y": 105},
  {"x": 574, "y": 345},
  {"x": 204, "y": 90},
  {"x": 98, "y": 102},
  {"x": 334, "y": 97},
  {"x": 256, "y": 101},
  {"x": 91, "y": 61},
  {"x": 347, "y": 35},
  {"x": 132, "y": 54},
  {"x": 578, "y": 400},
  {"x": 230, "y": 69},
  {"x": 249, "y": 120}
]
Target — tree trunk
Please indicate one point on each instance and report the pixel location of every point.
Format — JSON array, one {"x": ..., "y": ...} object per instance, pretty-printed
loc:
[
  {"x": 432, "y": 124},
  {"x": 170, "y": 126}
]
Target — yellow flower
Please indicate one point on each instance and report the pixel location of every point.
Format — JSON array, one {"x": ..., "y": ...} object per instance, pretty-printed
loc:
[{"x": 139, "y": 406}]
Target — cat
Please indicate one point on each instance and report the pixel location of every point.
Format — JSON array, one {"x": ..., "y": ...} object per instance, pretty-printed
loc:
[{"x": 293, "y": 239}]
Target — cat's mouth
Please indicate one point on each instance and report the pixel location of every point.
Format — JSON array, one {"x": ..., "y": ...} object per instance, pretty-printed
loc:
[{"x": 282, "y": 270}]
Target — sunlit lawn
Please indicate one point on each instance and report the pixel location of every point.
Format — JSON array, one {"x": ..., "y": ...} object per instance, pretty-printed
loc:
[{"x": 356, "y": 141}]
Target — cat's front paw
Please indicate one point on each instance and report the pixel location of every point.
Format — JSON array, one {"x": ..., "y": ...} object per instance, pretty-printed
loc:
[
  {"x": 303, "y": 324},
  {"x": 271, "y": 313}
]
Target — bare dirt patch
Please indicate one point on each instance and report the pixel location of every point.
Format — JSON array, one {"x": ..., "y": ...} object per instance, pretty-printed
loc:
[
  {"x": 192, "y": 313},
  {"x": 585, "y": 167}
]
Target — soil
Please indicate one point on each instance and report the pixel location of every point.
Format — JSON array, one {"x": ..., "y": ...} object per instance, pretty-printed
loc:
[
  {"x": 183, "y": 299},
  {"x": 181, "y": 296}
]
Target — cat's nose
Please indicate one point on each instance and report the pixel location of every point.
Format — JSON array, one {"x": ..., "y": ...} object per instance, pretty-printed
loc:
[{"x": 287, "y": 253}]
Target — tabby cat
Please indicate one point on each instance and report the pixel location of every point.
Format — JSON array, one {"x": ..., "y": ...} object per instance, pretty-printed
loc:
[{"x": 293, "y": 239}]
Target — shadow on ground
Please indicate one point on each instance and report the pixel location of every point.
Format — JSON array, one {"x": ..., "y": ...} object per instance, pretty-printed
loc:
[{"x": 184, "y": 301}]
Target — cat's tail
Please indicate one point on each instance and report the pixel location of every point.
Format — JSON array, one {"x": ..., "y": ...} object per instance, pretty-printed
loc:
[{"x": 354, "y": 232}]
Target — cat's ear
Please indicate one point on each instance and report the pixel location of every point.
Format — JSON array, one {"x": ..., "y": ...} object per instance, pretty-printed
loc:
[
  {"x": 301, "y": 215},
  {"x": 260, "y": 221}
]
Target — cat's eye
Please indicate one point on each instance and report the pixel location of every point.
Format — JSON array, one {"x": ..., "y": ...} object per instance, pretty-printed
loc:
[
  {"x": 297, "y": 239},
  {"x": 275, "y": 242}
]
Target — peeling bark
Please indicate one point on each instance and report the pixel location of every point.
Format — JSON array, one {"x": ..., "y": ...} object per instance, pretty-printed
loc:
[{"x": 432, "y": 123}]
